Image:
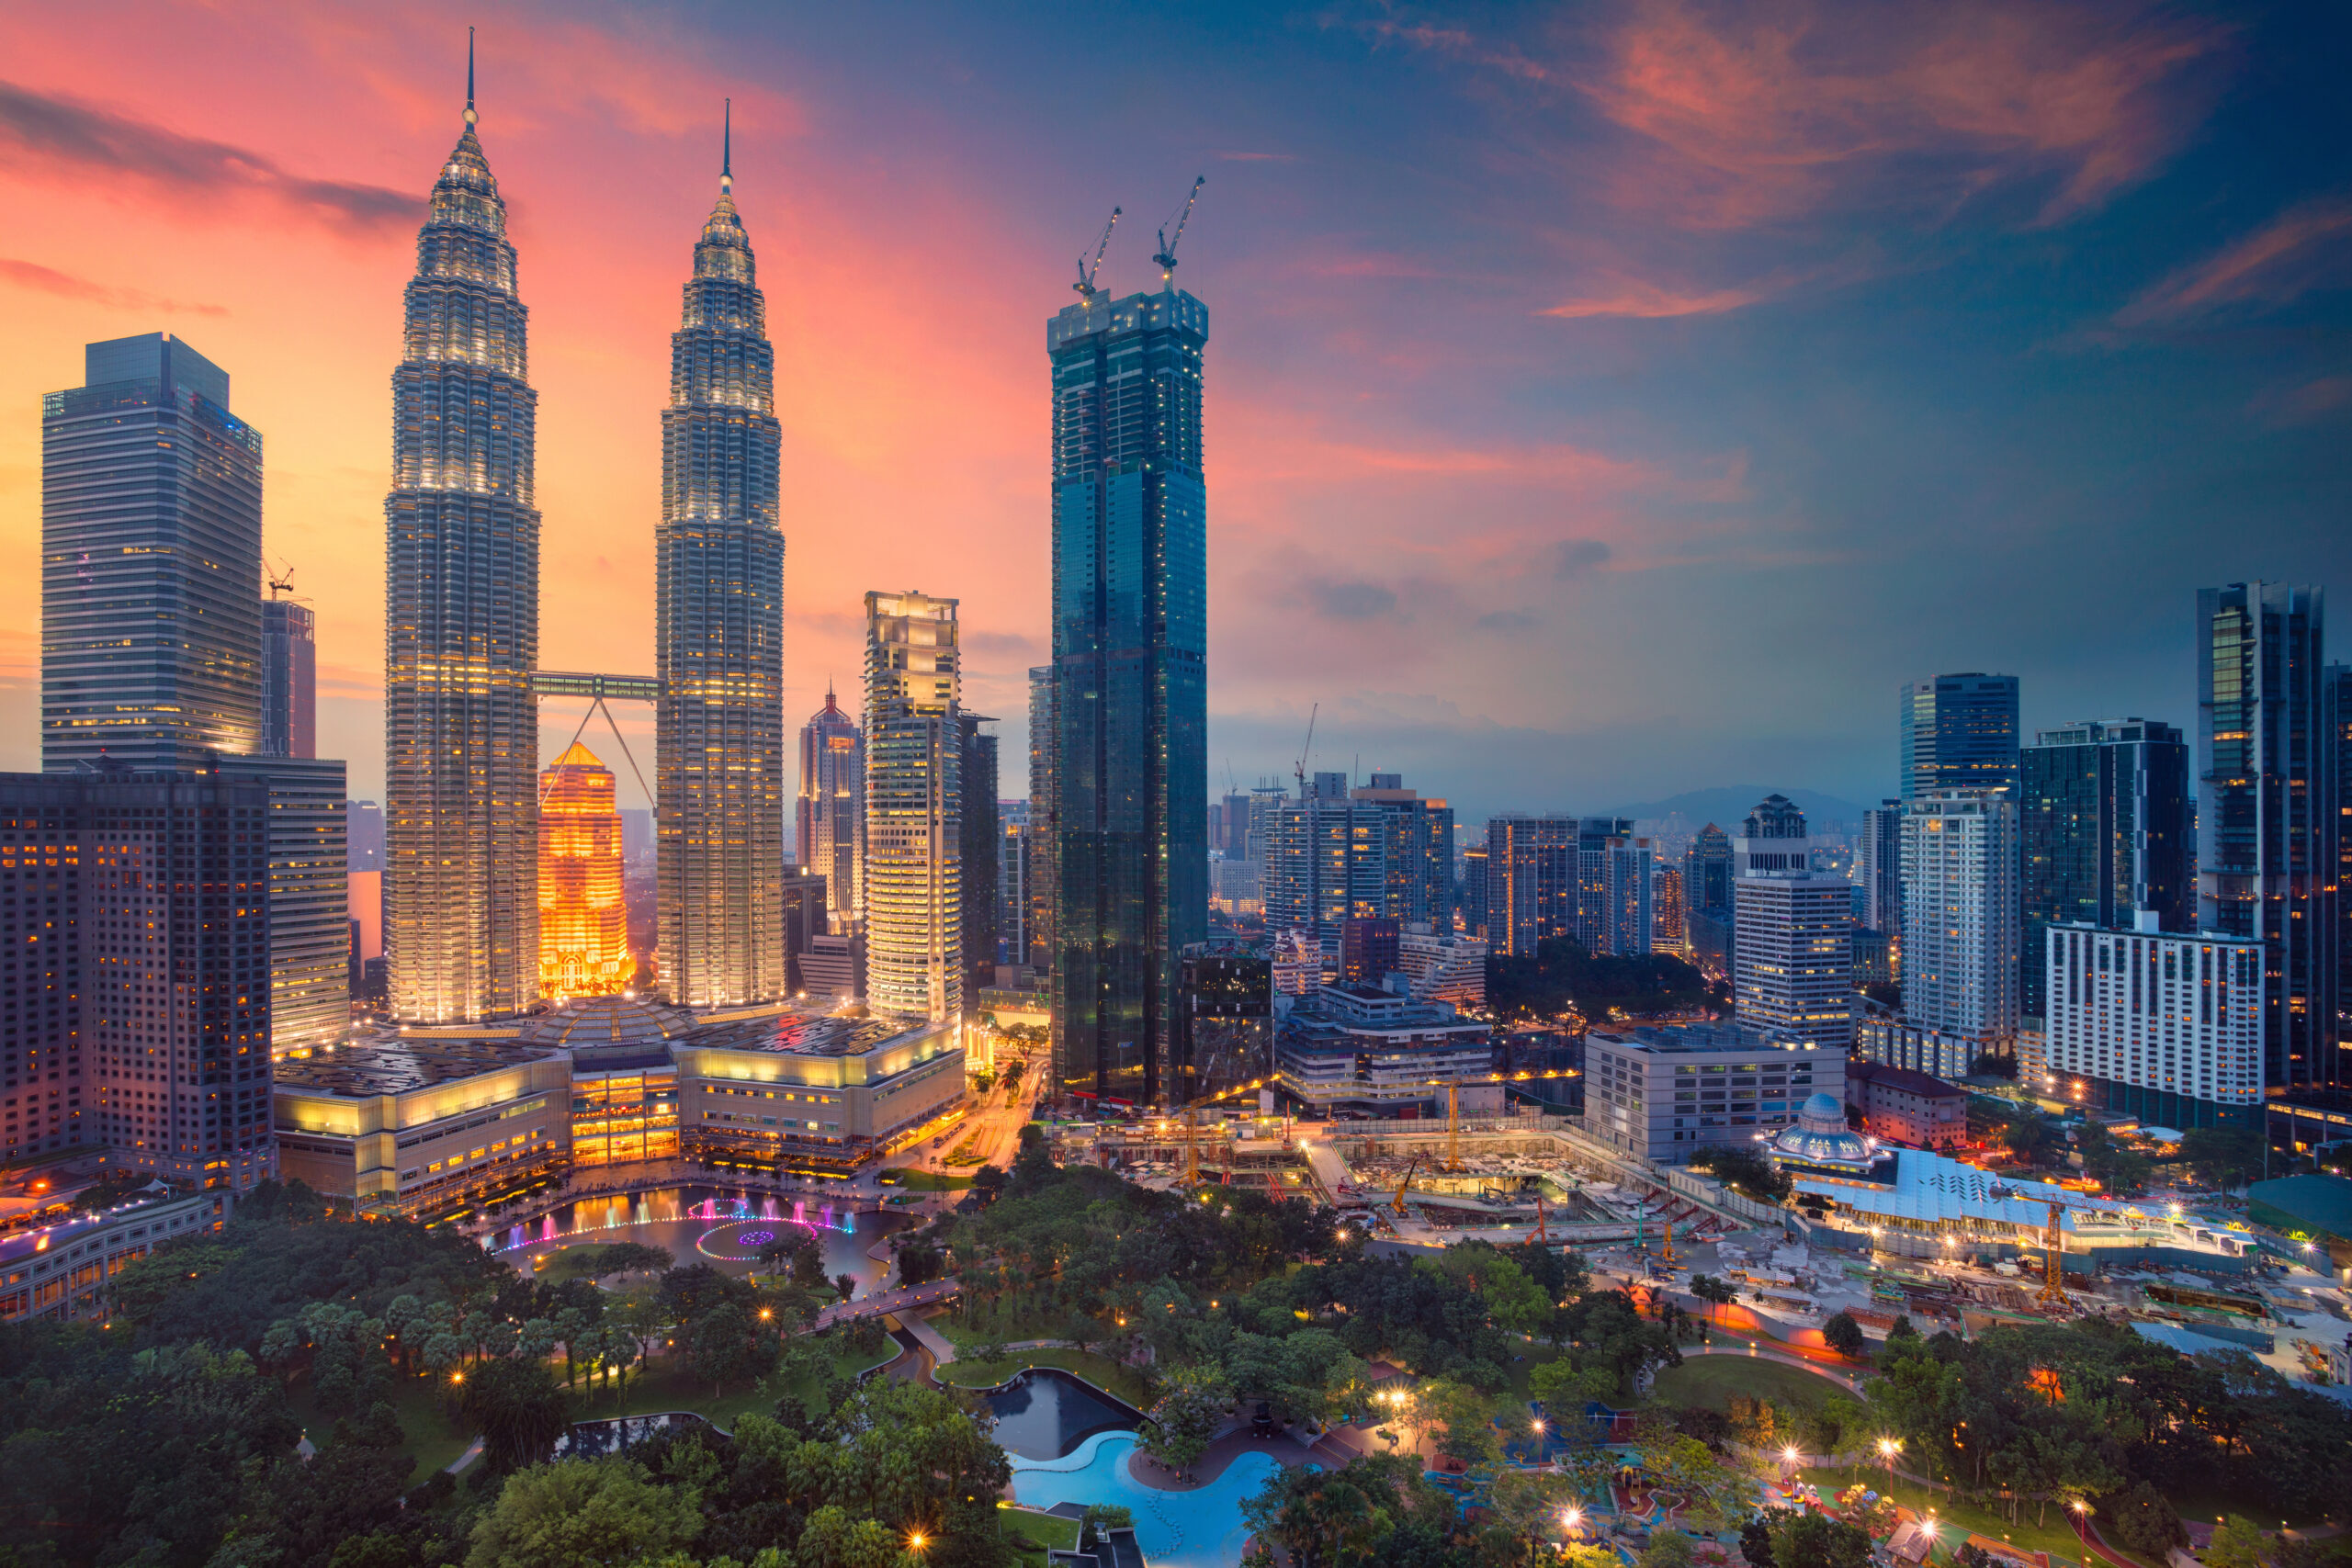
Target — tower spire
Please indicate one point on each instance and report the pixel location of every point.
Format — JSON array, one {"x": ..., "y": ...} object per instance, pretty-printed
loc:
[
  {"x": 727, "y": 148},
  {"x": 469, "y": 76}
]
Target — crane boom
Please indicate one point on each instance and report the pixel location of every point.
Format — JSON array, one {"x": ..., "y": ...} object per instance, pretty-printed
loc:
[
  {"x": 1307, "y": 750},
  {"x": 1398, "y": 1202},
  {"x": 1165, "y": 255},
  {"x": 1087, "y": 269}
]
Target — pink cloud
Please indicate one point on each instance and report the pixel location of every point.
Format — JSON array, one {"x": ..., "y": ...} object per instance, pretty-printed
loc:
[
  {"x": 1647, "y": 302},
  {"x": 49, "y": 280},
  {"x": 2302, "y": 249}
]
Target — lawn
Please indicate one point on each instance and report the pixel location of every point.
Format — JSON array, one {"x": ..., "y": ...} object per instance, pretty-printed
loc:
[
  {"x": 1100, "y": 1371},
  {"x": 933, "y": 1181},
  {"x": 434, "y": 1440},
  {"x": 1709, "y": 1381},
  {"x": 664, "y": 1383},
  {"x": 1050, "y": 1531},
  {"x": 2056, "y": 1537}
]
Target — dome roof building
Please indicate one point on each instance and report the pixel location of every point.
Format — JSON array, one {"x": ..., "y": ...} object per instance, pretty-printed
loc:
[{"x": 1821, "y": 1141}]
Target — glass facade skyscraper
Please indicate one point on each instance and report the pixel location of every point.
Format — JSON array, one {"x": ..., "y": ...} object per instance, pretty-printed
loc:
[
  {"x": 832, "y": 805},
  {"x": 461, "y": 627},
  {"x": 151, "y": 562},
  {"x": 290, "y": 679},
  {"x": 914, "y": 808},
  {"x": 719, "y": 637},
  {"x": 2103, "y": 818},
  {"x": 1130, "y": 711},
  {"x": 2266, "y": 821},
  {"x": 1959, "y": 732}
]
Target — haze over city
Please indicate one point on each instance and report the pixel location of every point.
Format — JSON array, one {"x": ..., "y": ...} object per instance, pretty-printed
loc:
[{"x": 1604, "y": 402}]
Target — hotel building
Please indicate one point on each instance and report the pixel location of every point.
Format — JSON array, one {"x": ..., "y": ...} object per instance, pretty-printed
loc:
[
  {"x": 2158, "y": 1025},
  {"x": 914, "y": 821}
]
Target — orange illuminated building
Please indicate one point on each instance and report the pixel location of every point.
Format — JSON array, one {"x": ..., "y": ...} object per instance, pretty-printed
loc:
[{"x": 584, "y": 927}]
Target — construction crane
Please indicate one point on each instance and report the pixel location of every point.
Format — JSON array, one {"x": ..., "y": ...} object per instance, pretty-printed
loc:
[
  {"x": 1165, "y": 255},
  {"x": 1398, "y": 1202},
  {"x": 1087, "y": 269},
  {"x": 1307, "y": 751},
  {"x": 1543, "y": 1231},
  {"x": 281, "y": 581},
  {"x": 1453, "y": 1126},
  {"x": 2053, "y": 1244}
]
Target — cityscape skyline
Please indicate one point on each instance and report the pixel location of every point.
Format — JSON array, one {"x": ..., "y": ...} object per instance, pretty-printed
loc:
[{"x": 1646, "y": 723}]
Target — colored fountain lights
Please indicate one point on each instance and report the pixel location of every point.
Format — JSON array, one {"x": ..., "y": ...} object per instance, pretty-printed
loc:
[{"x": 737, "y": 1211}]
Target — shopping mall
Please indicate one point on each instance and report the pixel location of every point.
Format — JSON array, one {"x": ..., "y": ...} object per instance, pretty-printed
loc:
[{"x": 419, "y": 1121}]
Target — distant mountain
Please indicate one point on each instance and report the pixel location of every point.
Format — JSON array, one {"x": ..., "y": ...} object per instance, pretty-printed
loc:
[{"x": 1727, "y": 808}]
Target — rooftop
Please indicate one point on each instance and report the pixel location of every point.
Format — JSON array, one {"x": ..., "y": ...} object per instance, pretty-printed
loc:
[
  {"x": 1695, "y": 1039},
  {"x": 390, "y": 1065},
  {"x": 1901, "y": 1079},
  {"x": 804, "y": 1033}
]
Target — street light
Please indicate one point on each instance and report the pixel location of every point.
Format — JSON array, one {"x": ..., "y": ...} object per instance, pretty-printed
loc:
[
  {"x": 2082, "y": 1520},
  {"x": 1887, "y": 1448}
]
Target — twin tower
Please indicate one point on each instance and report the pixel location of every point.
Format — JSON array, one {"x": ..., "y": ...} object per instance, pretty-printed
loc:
[{"x": 461, "y": 636}]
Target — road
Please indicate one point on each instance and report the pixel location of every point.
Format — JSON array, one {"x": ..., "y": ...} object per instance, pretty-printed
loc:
[{"x": 995, "y": 1126}]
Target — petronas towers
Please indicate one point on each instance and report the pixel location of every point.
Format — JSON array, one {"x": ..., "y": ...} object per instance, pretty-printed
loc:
[
  {"x": 720, "y": 635},
  {"x": 461, "y": 628}
]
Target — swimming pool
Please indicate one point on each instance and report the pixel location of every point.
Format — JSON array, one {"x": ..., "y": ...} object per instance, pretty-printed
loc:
[
  {"x": 1176, "y": 1529},
  {"x": 1045, "y": 1414}
]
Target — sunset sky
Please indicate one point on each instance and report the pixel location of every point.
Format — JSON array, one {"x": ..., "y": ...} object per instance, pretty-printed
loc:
[{"x": 1603, "y": 400}]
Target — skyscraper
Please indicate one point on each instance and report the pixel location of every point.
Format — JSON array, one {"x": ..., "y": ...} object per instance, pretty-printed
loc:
[
  {"x": 584, "y": 926},
  {"x": 1706, "y": 898},
  {"x": 290, "y": 679},
  {"x": 310, "y": 897},
  {"x": 1045, "y": 842},
  {"x": 720, "y": 635},
  {"x": 831, "y": 804},
  {"x": 151, "y": 562},
  {"x": 2266, "y": 824},
  {"x": 1880, "y": 861},
  {"x": 977, "y": 853},
  {"x": 1793, "y": 967},
  {"x": 1339, "y": 853},
  {"x": 1668, "y": 931},
  {"x": 1959, "y": 732},
  {"x": 1531, "y": 881},
  {"x": 914, "y": 814},
  {"x": 2103, "y": 819},
  {"x": 462, "y": 627},
  {"x": 1960, "y": 915},
  {"x": 1130, "y": 707}
]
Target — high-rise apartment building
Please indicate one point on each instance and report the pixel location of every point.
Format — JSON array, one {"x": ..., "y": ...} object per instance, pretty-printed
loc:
[
  {"x": 2267, "y": 814},
  {"x": 718, "y": 636},
  {"x": 1368, "y": 949},
  {"x": 1706, "y": 898},
  {"x": 584, "y": 926},
  {"x": 1879, "y": 860},
  {"x": 1627, "y": 921},
  {"x": 1015, "y": 851},
  {"x": 1531, "y": 881},
  {"x": 151, "y": 563},
  {"x": 977, "y": 853},
  {"x": 461, "y": 627},
  {"x": 1130, "y": 639},
  {"x": 1339, "y": 853},
  {"x": 2338, "y": 680},
  {"x": 2161, "y": 1026},
  {"x": 915, "y": 811},
  {"x": 309, "y": 898},
  {"x": 1230, "y": 829},
  {"x": 153, "y": 889},
  {"x": 1959, "y": 732},
  {"x": 289, "y": 678},
  {"x": 1669, "y": 932},
  {"x": 1793, "y": 969},
  {"x": 832, "y": 803},
  {"x": 1473, "y": 891},
  {"x": 2103, "y": 821},
  {"x": 1961, "y": 915}
]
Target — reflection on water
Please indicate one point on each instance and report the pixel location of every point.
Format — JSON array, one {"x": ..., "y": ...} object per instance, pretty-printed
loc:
[
  {"x": 1047, "y": 1413},
  {"x": 674, "y": 1217}
]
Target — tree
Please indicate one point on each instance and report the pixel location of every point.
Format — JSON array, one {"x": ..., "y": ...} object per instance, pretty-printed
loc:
[
  {"x": 520, "y": 1410},
  {"x": 2225, "y": 1157},
  {"x": 2238, "y": 1543},
  {"x": 1713, "y": 1292},
  {"x": 1843, "y": 1334},
  {"x": 1190, "y": 1408},
  {"x": 832, "y": 1538},
  {"x": 587, "y": 1514},
  {"x": 846, "y": 1285},
  {"x": 723, "y": 1346},
  {"x": 1746, "y": 1171},
  {"x": 2144, "y": 1520},
  {"x": 1670, "y": 1549},
  {"x": 1466, "y": 1416},
  {"x": 1802, "y": 1538}
]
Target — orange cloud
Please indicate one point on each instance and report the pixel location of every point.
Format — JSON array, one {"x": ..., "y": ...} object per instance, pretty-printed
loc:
[
  {"x": 49, "y": 280},
  {"x": 1647, "y": 302},
  {"x": 2302, "y": 249}
]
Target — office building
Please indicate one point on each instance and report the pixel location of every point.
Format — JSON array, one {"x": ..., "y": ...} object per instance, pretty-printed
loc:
[
  {"x": 2267, "y": 814},
  {"x": 145, "y": 1033},
  {"x": 60, "y": 1272},
  {"x": 1707, "y": 899},
  {"x": 833, "y": 968},
  {"x": 583, "y": 928},
  {"x": 976, "y": 853},
  {"x": 1369, "y": 1052},
  {"x": 803, "y": 917},
  {"x": 1879, "y": 860},
  {"x": 914, "y": 813},
  {"x": 461, "y": 630},
  {"x": 310, "y": 897},
  {"x": 2103, "y": 819},
  {"x": 1793, "y": 963},
  {"x": 1014, "y": 847},
  {"x": 1441, "y": 966},
  {"x": 420, "y": 1124},
  {"x": 718, "y": 636},
  {"x": 1959, "y": 917},
  {"x": 1045, "y": 842},
  {"x": 289, "y": 678},
  {"x": 1368, "y": 948},
  {"x": 1230, "y": 821},
  {"x": 151, "y": 563},
  {"x": 1129, "y": 705},
  {"x": 1226, "y": 1008},
  {"x": 1959, "y": 732},
  {"x": 2166, "y": 1027},
  {"x": 1339, "y": 853},
  {"x": 1664, "y": 1094},
  {"x": 832, "y": 805}
]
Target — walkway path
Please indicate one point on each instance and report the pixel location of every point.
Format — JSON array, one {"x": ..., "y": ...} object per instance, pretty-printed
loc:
[
  {"x": 876, "y": 1303},
  {"x": 941, "y": 1348}
]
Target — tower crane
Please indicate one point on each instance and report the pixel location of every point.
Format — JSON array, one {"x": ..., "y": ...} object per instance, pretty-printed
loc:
[
  {"x": 1453, "y": 1125},
  {"x": 1087, "y": 269},
  {"x": 1166, "y": 254},
  {"x": 1306, "y": 750},
  {"x": 2053, "y": 1243}
]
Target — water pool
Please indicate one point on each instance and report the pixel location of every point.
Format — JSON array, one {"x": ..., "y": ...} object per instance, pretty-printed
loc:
[
  {"x": 1046, "y": 1413},
  {"x": 1176, "y": 1529}
]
